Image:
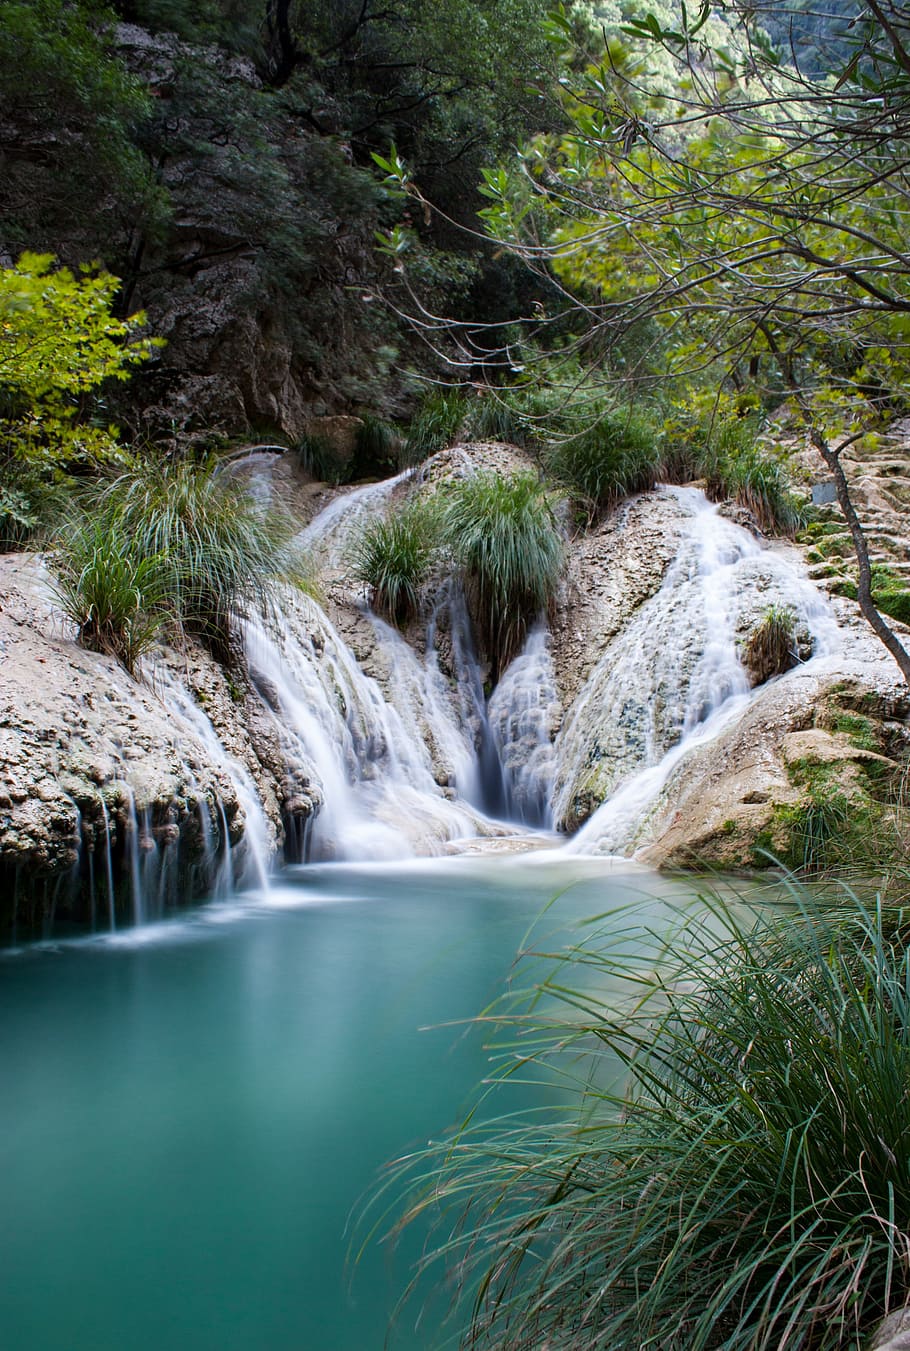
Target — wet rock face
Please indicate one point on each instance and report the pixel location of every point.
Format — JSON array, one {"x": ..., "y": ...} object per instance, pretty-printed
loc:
[
  {"x": 634, "y": 654},
  {"x": 893, "y": 1334},
  {"x": 99, "y": 772}
]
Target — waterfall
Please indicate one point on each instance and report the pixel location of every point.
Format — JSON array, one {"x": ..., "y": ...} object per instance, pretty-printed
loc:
[
  {"x": 392, "y": 749},
  {"x": 328, "y": 535},
  {"x": 673, "y": 679},
  {"x": 523, "y": 713},
  {"x": 253, "y": 863},
  {"x": 374, "y": 768}
]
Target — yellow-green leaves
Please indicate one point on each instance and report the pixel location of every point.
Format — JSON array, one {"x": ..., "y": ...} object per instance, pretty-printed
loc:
[{"x": 58, "y": 341}]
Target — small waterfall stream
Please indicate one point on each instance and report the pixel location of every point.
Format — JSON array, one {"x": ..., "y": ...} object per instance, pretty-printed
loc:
[{"x": 673, "y": 680}]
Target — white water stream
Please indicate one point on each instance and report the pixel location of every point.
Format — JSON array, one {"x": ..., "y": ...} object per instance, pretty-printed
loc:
[{"x": 673, "y": 680}]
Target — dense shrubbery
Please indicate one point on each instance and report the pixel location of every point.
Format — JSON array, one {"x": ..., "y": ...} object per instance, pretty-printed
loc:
[{"x": 745, "y": 1190}]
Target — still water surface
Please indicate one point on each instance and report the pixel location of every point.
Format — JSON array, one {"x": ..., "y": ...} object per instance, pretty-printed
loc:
[{"x": 188, "y": 1113}]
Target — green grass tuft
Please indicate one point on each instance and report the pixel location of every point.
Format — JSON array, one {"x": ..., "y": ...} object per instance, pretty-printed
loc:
[
  {"x": 771, "y": 647},
  {"x": 115, "y": 596},
  {"x": 601, "y": 466},
  {"x": 434, "y": 427},
  {"x": 392, "y": 557},
  {"x": 182, "y": 536},
  {"x": 748, "y": 1187},
  {"x": 737, "y": 466},
  {"x": 507, "y": 542}
]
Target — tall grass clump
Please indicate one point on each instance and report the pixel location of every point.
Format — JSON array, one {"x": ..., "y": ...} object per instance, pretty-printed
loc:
[
  {"x": 746, "y": 1190},
  {"x": 224, "y": 550},
  {"x": 116, "y": 596},
  {"x": 497, "y": 416},
  {"x": 192, "y": 537},
  {"x": 392, "y": 556},
  {"x": 772, "y": 647},
  {"x": 320, "y": 459},
  {"x": 376, "y": 447},
  {"x": 736, "y": 465},
  {"x": 434, "y": 427},
  {"x": 617, "y": 456},
  {"x": 508, "y": 545}
]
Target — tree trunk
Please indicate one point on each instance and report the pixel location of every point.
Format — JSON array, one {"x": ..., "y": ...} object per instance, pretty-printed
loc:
[{"x": 831, "y": 457}]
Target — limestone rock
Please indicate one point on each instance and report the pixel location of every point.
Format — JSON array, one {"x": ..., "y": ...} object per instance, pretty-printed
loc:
[{"x": 894, "y": 1333}]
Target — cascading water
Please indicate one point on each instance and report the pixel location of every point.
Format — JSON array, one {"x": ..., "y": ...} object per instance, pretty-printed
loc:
[
  {"x": 673, "y": 680},
  {"x": 328, "y": 536},
  {"x": 379, "y": 798},
  {"x": 522, "y": 714},
  {"x": 252, "y": 866},
  {"x": 417, "y": 759}
]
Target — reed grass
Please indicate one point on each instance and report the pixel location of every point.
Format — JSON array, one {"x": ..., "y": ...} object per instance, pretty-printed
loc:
[
  {"x": 771, "y": 647},
  {"x": 618, "y": 456},
  {"x": 179, "y": 540},
  {"x": 737, "y": 466},
  {"x": 115, "y": 596},
  {"x": 434, "y": 427},
  {"x": 392, "y": 556},
  {"x": 747, "y": 1189}
]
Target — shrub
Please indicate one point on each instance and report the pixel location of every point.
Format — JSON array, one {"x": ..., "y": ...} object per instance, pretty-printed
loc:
[
  {"x": 392, "y": 556},
  {"x": 112, "y": 593},
  {"x": 32, "y": 500},
  {"x": 506, "y": 540},
  {"x": 219, "y": 548},
  {"x": 434, "y": 427},
  {"x": 746, "y": 1190},
  {"x": 601, "y": 466},
  {"x": 771, "y": 647}
]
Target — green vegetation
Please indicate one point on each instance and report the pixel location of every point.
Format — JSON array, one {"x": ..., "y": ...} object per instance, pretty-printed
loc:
[
  {"x": 890, "y": 593},
  {"x": 61, "y": 341},
  {"x": 377, "y": 448},
  {"x": 180, "y": 537},
  {"x": 116, "y": 596},
  {"x": 771, "y": 648},
  {"x": 507, "y": 543},
  {"x": 736, "y": 465},
  {"x": 393, "y": 555},
  {"x": 434, "y": 427},
  {"x": 745, "y": 1187},
  {"x": 59, "y": 75},
  {"x": 619, "y": 455}
]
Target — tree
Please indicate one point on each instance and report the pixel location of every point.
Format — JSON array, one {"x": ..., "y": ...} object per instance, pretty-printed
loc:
[
  {"x": 58, "y": 343},
  {"x": 749, "y": 207}
]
